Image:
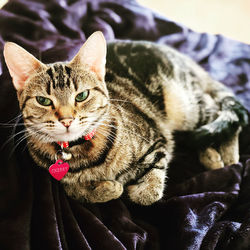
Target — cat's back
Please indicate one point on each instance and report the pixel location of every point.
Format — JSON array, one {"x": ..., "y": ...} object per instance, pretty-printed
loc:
[
  {"x": 144, "y": 59},
  {"x": 135, "y": 71},
  {"x": 138, "y": 60},
  {"x": 149, "y": 65},
  {"x": 158, "y": 79}
]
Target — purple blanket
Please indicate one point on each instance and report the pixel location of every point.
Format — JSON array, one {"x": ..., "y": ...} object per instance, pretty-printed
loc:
[{"x": 201, "y": 209}]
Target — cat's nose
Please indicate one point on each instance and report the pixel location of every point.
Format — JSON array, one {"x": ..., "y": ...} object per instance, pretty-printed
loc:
[{"x": 66, "y": 122}]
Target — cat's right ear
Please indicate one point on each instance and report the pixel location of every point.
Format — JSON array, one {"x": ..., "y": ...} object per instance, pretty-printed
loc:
[{"x": 21, "y": 64}]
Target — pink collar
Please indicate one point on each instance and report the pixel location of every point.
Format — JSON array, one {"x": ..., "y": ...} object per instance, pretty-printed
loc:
[{"x": 87, "y": 137}]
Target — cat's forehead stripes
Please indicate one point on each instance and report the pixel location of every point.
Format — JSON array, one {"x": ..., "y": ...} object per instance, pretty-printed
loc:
[
  {"x": 60, "y": 77},
  {"x": 48, "y": 89}
]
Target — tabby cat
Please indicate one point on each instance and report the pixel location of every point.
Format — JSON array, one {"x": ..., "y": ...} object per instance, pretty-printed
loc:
[{"x": 131, "y": 105}]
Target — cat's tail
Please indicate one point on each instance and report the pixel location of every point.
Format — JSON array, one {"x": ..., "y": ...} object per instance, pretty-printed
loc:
[{"x": 232, "y": 117}]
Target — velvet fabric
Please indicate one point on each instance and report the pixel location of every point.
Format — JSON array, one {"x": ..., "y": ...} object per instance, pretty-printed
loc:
[{"x": 200, "y": 210}]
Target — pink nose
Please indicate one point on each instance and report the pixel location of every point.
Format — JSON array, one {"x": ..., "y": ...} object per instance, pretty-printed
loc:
[{"x": 66, "y": 122}]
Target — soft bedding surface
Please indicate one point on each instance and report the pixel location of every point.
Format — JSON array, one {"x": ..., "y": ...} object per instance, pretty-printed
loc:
[{"x": 201, "y": 209}]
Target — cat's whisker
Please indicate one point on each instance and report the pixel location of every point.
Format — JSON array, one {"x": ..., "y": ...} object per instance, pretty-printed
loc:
[
  {"x": 122, "y": 129},
  {"x": 120, "y": 100},
  {"x": 11, "y": 125},
  {"x": 110, "y": 119},
  {"x": 121, "y": 106},
  {"x": 121, "y": 110},
  {"x": 42, "y": 136},
  {"x": 127, "y": 121},
  {"x": 20, "y": 140},
  {"x": 15, "y": 118},
  {"x": 109, "y": 135},
  {"x": 12, "y": 137}
]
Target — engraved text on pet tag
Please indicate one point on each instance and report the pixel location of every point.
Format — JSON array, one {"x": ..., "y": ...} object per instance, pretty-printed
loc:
[{"x": 59, "y": 169}]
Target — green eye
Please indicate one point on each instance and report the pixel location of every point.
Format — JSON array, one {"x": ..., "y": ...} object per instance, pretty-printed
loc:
[
  {"x": 82, "y": 96},
  {"x": 43, "y": 101}
]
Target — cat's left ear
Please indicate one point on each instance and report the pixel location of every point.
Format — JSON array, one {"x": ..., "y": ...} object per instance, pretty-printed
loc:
[
  {"x": 21, "y": 64},
  {"x": 93, "y": 54}
]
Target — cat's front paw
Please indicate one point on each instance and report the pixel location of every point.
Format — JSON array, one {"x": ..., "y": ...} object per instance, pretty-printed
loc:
[
  {"x": 145, "y": 193},
  {"x": 104, "y": 191}
]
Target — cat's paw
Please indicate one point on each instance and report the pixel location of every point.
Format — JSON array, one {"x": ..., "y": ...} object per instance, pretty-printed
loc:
[
  {"x": 229, "y": 155},
  {"x": 145, "y": 193},
  {"x": 149, "y": 188},
  {"x": 104, "y": 191},
  {"x": 229, "y": 150},
  {"x": 211, "y": 159}
]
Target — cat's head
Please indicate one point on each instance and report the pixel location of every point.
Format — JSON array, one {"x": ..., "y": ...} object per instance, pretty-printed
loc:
[{"x": 61, "y": 101}]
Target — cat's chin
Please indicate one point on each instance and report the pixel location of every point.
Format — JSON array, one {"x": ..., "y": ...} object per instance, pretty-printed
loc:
[{"x": 67, "y": 137}]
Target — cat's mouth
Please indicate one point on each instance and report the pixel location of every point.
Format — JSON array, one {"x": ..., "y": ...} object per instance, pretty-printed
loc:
[{"x": 70, "y": 136}]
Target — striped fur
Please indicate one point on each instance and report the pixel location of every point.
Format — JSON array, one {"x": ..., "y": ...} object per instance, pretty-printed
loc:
[{"x": 149, "y": 92}]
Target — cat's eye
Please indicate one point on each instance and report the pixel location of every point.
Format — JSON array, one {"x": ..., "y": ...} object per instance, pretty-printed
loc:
[
  {"x": 82, "y": 96},
  {"x": 43, "y": 101}
]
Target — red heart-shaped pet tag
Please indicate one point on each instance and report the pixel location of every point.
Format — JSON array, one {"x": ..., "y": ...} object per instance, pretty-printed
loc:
[{"x": 59, "y": 169}]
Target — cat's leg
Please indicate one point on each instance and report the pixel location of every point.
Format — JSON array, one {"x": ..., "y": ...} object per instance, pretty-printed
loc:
[{"x": 149, "y": 186}]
